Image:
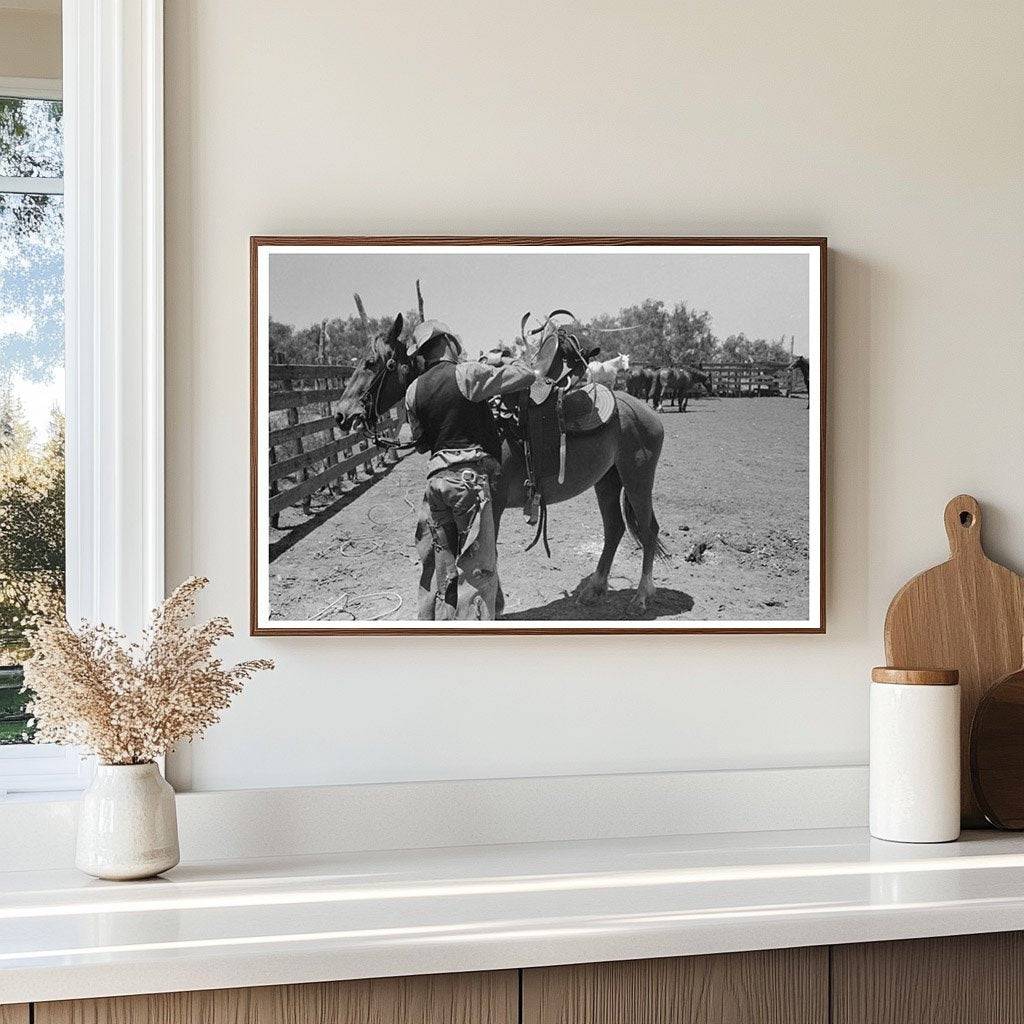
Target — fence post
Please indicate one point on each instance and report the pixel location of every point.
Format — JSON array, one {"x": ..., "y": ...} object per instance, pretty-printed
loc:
[
  {"x": 293, "y": 421},
  {"x": 334, "y": 487},
  {"x": 275, "y": 519}
]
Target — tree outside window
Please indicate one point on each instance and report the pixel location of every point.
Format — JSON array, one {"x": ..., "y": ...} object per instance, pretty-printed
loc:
[{"x": 31, "y": 386}]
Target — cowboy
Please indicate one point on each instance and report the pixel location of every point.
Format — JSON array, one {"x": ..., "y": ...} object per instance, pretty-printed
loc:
[{"x": 450, "y": 418}]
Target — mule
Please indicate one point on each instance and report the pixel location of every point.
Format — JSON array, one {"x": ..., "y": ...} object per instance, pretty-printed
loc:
[
  {"x": 619, "y": 460},
  {"x": 676, "y": 384}
]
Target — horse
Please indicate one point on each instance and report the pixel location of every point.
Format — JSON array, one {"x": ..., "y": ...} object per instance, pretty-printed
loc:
[
  {"x": 802, "y": 364},
  {"x": 676, "y": 384},
  {"x": 607, "y": 372},
  {"x": 619, "y": 460},
  {"x": 640, "y": 382}
]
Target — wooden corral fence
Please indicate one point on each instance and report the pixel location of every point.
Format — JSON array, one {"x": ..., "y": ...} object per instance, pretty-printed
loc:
[
  {"x": 309, "y": 453},
  {"x": 733, "y": 380}
]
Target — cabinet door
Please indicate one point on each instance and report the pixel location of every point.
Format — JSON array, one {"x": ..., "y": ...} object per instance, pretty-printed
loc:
[
  {"x": 14, "y": 1013},
  {"x": 482, "y": 998},
  {"x": 778, "y": 986},
  {"x": 962, "y": 979}
]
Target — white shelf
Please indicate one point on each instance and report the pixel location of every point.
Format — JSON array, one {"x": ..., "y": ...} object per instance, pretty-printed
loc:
[{"x": 352, "y": 915}]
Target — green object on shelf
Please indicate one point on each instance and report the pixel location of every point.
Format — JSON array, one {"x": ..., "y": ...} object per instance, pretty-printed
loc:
[{"x": 14, "y": 727}]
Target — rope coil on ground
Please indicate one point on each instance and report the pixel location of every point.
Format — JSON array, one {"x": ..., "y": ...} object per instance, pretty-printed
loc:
[{"x": 345, "y": 603}]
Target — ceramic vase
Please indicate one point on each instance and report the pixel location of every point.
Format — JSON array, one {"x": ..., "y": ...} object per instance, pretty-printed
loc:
[{"x": 127, "y": 825}]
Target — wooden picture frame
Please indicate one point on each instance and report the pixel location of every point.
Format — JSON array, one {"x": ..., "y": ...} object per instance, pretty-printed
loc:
[{"x": 344, "y": 459}]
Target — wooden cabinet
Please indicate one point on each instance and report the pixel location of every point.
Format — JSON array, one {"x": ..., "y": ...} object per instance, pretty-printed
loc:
[
  {"x": 491, "y": 998},
  {"x": 778, "y": 986},
  {"x": 963, "y": 979},
  {"x": 971, "y": 979}
]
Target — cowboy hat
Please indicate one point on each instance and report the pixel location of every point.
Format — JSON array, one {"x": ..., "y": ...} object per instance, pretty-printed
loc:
[{"x": 427, "y": 332}]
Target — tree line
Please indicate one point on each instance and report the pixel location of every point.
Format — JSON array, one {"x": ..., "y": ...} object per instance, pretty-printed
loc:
[
  {"x": 31, "y": 547},
  {"x": 656, "y": 335},
  {"x": 31, "y": 524}
]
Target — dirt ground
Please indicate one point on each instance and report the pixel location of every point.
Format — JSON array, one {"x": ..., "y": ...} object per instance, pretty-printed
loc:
[{"x": 731, "y": 498}]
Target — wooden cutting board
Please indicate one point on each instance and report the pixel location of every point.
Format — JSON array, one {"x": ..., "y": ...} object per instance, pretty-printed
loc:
[
  {"x": 967, "y": 614},
  {"x": 997, "y": 752}
]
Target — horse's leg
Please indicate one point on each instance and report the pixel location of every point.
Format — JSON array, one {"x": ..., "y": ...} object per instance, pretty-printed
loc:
[
  {"x": 636, "y": 470},
  {"x": 608, "y": 489},
  {"x": 646, "y": 526},
  {"x": 498, "y": 507},
  {"x": 686, "y": 398}
]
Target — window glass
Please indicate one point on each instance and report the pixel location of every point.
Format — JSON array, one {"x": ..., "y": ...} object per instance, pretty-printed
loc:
[
  {"x": 31, "y": 138},
  {"x": 31, "y": 387}
]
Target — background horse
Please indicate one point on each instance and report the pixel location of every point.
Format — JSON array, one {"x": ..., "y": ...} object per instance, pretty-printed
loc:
[
  {"x": 640, "y": 382},
  {"x": 608, "y": 371},
  {"x": 804, "y": 367},
  {"x": 676, "y": 385},
  {"x": 619, "y": 461}
]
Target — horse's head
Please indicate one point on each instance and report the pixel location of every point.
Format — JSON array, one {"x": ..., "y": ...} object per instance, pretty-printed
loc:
[
  {"x": 700, "y": 377},
  {"x": 624, "y": 361},
  {"x": 379, "y": 382}
]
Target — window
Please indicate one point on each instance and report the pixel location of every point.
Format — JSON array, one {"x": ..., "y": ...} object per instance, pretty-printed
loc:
[
  {"x": 32, "y": 513},
  {"x": 91, "y": 171}
]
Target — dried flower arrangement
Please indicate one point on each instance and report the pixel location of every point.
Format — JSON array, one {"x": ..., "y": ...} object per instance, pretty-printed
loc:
[{"x": 129, "y": 703}]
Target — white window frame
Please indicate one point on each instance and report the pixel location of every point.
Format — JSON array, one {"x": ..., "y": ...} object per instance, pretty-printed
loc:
[{"x": 114, "y": 331}]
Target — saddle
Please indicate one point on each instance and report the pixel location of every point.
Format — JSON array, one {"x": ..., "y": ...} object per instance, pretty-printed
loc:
[
  {"x": 544, "y": 426},
  {"x": 561, "y": 413},
  {"x": 557, "y": 406}
]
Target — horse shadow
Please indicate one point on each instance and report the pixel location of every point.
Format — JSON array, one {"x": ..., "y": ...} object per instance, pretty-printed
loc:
[{"x": 613, "y": 607}]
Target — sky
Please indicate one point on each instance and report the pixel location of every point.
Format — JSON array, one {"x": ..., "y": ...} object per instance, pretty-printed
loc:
[
  {"x": 31, "y": 271},
  {"x": 482, "y": 297},
  {"x": 39, "y": 398}
]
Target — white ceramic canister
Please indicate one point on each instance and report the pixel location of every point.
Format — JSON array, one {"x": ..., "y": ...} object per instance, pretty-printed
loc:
[
  {"x": 127, "y": 825},
  {"x": 915, "y": 755}
]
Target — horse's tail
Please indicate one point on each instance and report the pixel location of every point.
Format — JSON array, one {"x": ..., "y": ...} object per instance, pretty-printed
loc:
[{"x": 629, "y": 515}]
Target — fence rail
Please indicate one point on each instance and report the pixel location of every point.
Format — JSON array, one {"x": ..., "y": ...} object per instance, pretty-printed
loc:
[
  {"x": 310, "y": 455},
  {"x": 747, "y": 379}
]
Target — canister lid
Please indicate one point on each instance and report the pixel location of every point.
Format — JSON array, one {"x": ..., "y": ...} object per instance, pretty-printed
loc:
[{"x": 916, "y": 676}]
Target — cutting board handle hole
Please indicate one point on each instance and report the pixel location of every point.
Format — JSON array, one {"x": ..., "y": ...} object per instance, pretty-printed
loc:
[{"x": 966, "y": 519}]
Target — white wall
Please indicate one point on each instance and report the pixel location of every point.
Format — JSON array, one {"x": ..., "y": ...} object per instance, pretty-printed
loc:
[{"x": 895, "y": 129}]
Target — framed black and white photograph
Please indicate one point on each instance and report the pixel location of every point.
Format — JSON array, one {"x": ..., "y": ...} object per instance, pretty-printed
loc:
[{"x": 537, "y": 435}]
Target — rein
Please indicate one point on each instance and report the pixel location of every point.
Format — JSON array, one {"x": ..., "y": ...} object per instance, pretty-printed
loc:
[{"x": 376, "y": 386}]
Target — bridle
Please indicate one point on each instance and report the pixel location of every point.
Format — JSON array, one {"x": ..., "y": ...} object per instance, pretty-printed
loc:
[{"x": 370, "y": 402}]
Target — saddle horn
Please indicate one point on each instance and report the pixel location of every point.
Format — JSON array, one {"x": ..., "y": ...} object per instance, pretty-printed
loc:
[{"x": 522, "y": 327}]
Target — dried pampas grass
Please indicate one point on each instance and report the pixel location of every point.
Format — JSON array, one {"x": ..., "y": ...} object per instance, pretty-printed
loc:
[{"x": 129, "y": 703}]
